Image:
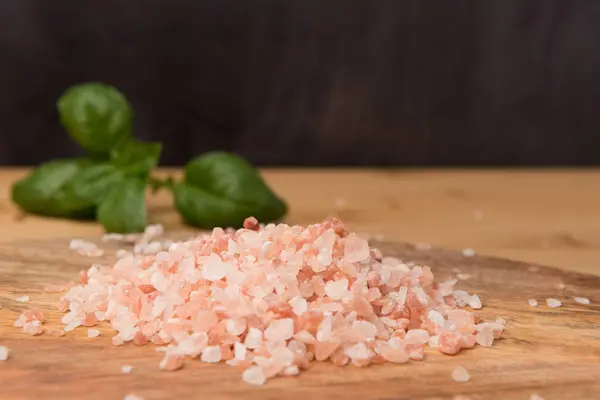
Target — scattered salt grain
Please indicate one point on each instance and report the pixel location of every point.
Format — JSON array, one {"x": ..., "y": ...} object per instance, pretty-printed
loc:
[
  {"x": 132, "y": 396},
  {"x": 582, "y": 300},
  {"x": 532, "y": 302},
  {"x": 475, "y": 302},
  {"x": 3, "y": 353},
  {"x": 460, "y": 374},
  {"x": 468, "y": 252},
  {"x": 22, "y": 299},
  {"x": 85, "y": 248},
  {"x": 536, "y": 396},
  {"x": 423, "y": 246},
  {"x": 92, "y": 333},
  {"x": 126, "y": 369},
  {"x": 553, "y": 303},
  {"x": 463, "y": 277}
]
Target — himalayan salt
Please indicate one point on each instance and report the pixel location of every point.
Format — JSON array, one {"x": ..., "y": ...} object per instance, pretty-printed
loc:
[
  {"x": 132, "y": 396},
  {"x": 553, "y": 303},
  {"x": 582, "y": 300},
  {"x": 535, "y": 396},
  {"x": 3, "y": 353},
  {"x": 85, "y": 248},
  {"x": 468, "y": 252},
  {"x": 92, "y": 333},
  {"x": 460, "y": 374},
  {"x": 272, "y": 299},
  {"x": 254, "y": 376},
  {"x": 126, "y": 369},
  {"x": 485, "y": 337},
  {"x": 22, "y": 299},
  {"x": 280, "y": 329},
  {"x": 532, "y": 302},
  {"x": 211, "y": 354}
]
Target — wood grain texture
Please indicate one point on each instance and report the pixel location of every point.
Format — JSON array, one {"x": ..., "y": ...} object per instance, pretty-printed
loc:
[
  {"x": 551, "y": 217},
  {"x": 553, "y": 352}
]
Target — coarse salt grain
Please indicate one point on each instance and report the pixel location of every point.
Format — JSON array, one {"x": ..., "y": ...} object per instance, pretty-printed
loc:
[
  {"x": 468, "y": 252},
  {"x": 532, "y": 302},
  {"x": 132, "y": 396},
  {"x": 92, "y": 333},
  {"x": 126, "y": 369},
  {"x": 3, "y": 353},
  {"x": 271, "y": 299},
  {"x": 553, "y": 303},
  {"x": 460, "y": 374},
  {"x": 22, "y": 299},
  {"x": 582, "y": 300}
]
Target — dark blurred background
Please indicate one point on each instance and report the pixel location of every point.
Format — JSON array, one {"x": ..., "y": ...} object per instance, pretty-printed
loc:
[{"x": 314, "y": 82}]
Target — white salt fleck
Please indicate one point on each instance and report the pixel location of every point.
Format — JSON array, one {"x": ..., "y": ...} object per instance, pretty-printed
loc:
[
  {"x": 132, "y": 396},
  {"x": 532, "y": 302},
  {"x": 460, "y": 374},
  {"x": 3, "y": 353},
  {"x": 254, "y": 376},
  {"x": 92, "y": 333},
  {"x": 125, "y": 369},
  {"x": 211, "y": 354},
  {"x": 553, "y": 303},
  {"x": 582, "y": 300},
  {"x": 535, "y": 396},
  {"x": 468, "y": 252},
  {"x": 463, "y": 277},
  {"x": 22, "y": 299}
]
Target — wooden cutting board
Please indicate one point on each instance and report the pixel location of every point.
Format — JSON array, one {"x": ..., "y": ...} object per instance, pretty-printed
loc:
[{"x": 552, "y": 352}]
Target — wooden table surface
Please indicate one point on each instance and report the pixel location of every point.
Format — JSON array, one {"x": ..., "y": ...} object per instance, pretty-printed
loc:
[{"x": 550, "y": 217}]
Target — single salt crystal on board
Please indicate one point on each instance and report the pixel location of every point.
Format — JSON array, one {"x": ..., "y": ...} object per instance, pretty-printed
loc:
[
  {"x": 535, "y": 396},
  {"x": 460, "y": 374},
  {"x": 553, "y": 303},
  {"x": 485, "y": 337},
  {"x": 22, "y": 299},
  {"x": 475, "y": 302},
  {"x": 582, "y": 300},
  {"x": 423, "y": 246},
  {"x": 126, "y": 369},
  {"x": 463, "y": 277},
  {"x": 3, "y": 353},
  {"x": 92, "y": 333},
  {"x": 468, "y": 252},
  {"x": 132, "y": 396},
  {"x": 532, "y": 302}
]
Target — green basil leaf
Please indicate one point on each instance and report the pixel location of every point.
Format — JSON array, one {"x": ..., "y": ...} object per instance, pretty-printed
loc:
[
  {"x": 136, "y": 157},
  {"x": 222, "y": 189},
  {"x": 205, "y": 210},
  {"x": 94, "y": 182},
  {"x": 124, "y": 208},
  {"x": 43, "y": 191},
  {"x": 96, "y": 116}
]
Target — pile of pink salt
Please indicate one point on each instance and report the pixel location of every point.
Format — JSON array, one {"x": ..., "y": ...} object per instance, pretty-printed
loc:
[{"x": 272, "y": 299}]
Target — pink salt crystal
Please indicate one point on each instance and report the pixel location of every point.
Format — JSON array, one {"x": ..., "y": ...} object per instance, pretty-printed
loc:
[
  {"x": 33, "y": 328},
  {"x": 280, "y": 329},
  {"x": 553, "y": 303},
  {"x": 126, "y": 369},
  {"x": 463, "y": 277},
  {"x": 211, "y": 354},
  {"x": 92, "y": 333},
  {"x": 474, "y": 302},
  {"x": 460, "y": 374},
  {"x": 532, "y": 302},
  {"x": 436, "y": 317},
  {"x": 356, "y": 249},
  {"x": 214, "y": 269},
  {"x": 535, "y": 396},
  {"x": 417, "y": 336},
  {"x": 485, "y": 337},
  {"x": 236, "y": 326},
  {"x": 461, "y": 397},
  {"x": 291, "y": 371},
  {"x": 171, "y": 362},
  {"x": 253, "y": 338},
  {"x": 336, "y": 289},
  {"x": 582, "y": 300},
  {"x": 468, "y": 252},
  {"x": 254, "y": 376},
  {"x": 359, "y": 351},
  {"x": 22, "y": 299},
  {"x": 3, "y": 353},
  {"x": 132, "y": 396},
  {"x": 251, "y": 223},
  {"x": 299, "y": 305},
  {"x": 449, "y": 342},
  {"x": 305, "y": 337}
]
